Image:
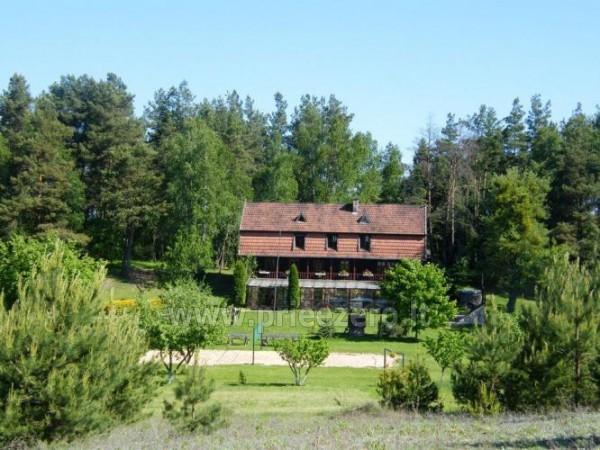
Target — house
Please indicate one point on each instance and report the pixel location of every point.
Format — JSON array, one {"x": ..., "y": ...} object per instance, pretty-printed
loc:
[{"x": 341, "y": 250}]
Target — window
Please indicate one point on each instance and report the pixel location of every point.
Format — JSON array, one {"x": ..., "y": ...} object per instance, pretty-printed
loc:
[
  {"x": 299, "y": 241},
  {"x": 365, "y": 242},
  {"x": 332, "y": 241}
]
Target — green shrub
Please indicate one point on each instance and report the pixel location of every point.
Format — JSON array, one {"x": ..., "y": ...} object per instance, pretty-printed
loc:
[
  {"x": 66, "y": 366},
  {"x": 447, "y": 348},
  {"x": 293, "y": 288},
  {"x": 392, "y": 329},
  {"x": 326, "y": 328},
  {"x": 240, "y": 278},
  {"x": 491, "y": 353},
  {"x": 409, "y": 388},
  {"x": 242, "y": 378},
  {"x": 19, "y": 255},
  {"x": 188, "y": 319},
  {"x": 302, "y": 355},
  {"x": 188, "y": 411}
]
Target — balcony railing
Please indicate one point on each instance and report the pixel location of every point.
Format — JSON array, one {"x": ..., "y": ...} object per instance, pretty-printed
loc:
[{"x": 323, "y": 275}]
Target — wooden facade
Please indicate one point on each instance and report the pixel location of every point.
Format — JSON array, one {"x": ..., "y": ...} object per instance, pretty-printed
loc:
[{"x": 333, "y": 242}]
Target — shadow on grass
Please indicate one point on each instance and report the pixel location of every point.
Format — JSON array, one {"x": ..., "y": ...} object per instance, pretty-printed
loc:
[
  {"x": 273, "y": 384},
  {"x": 376, "y": 338}
]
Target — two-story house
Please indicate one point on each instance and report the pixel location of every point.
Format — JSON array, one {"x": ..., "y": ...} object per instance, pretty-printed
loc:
[{"x": 341, "y": 250}]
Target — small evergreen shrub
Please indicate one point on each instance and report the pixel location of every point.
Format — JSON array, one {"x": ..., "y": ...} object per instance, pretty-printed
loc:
[
  {"x": 326, "y": 328},
  {"x": 294, "y": 288},
  {"x": 240, "y": 278},
  {"x": 409, "y": 388},
  {"x": 242, "y": 378},
  {"x": 188, "y": 411},
  {"x": 66, "y": 366}
]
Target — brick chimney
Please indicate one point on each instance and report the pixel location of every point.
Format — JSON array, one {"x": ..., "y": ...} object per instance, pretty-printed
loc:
[{"x": 355, "y": 205}]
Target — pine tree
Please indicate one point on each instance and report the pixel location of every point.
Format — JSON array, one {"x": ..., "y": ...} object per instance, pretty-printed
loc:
[
  {"x": 516, "y": 238},
  {"x": 66, "y": 367},
  {"x": 44, "y": 193},
  {"x": 15, "y": 104},
  {"x": 392, "y": 175}
]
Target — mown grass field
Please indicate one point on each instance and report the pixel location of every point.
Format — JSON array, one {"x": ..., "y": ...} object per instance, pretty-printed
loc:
[{"x": 337, "y": 408}]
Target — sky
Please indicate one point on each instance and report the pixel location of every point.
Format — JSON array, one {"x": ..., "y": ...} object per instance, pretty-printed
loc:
[{"x": 395, "y": 64}]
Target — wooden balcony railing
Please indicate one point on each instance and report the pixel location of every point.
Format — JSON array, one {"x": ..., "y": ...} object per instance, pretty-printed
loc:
[{"x": 322, "y": 275}]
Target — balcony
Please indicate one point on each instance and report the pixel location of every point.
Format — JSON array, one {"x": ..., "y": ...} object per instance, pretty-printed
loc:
[{"x": 349, "y": 276}]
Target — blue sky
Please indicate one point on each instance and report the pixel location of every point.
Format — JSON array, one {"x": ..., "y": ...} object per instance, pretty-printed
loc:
[{"x": 393, "y": 63}]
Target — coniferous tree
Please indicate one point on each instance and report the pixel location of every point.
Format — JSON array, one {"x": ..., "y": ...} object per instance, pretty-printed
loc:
[
  {"x": 392, "y": 174},
  {"x": 66, "y": 367},
  {"x": 44, "y": 193},
  {"x": 15, "y": 105},
  {"x": 516, "y": 238}
]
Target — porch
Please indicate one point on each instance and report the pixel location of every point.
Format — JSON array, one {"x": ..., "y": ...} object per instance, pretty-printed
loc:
[{"x": 323, "y": 269}]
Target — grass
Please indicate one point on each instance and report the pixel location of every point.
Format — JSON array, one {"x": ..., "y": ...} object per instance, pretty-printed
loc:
[{"x": 363, "y": 428}]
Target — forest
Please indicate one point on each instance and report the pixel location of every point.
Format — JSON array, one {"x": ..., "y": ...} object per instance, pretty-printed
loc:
[{"x": 78, "y": 163}]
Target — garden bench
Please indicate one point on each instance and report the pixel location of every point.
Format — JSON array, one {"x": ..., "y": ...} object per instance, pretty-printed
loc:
[{"x": 237, "y": 336}]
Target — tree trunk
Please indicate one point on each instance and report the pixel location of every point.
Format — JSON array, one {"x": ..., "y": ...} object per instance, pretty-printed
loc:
[
  {"x": 512, "y": 301},
  {"x": 127, "y": 250}
]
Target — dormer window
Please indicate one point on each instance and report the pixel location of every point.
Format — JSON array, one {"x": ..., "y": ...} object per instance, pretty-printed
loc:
[
  {"x": 299, "y": 241},
  {"x": 365, "y": 242},
  {"x": 364, "y": 219},
  {"x": 332, "y": 241},
  {"x": 300, "y": 218}
]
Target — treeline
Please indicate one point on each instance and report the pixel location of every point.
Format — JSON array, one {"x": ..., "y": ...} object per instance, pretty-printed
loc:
[{"x": 77, "y": 162}]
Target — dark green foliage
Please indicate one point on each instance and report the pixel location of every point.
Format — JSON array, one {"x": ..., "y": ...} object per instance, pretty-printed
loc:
[
  {"x": 392, "y": 175},
  {"x": 19, "y": 255},
  {"x": 326, "y": 328},
  {"x": 516, "y": 238},
  {"x": 186, "y": 258},
  {"x": 419, "y": 292},
  {"x": 66, "y": 367},
  {"x": 188, "y": 411},
  {"x": 409, "y": 388},
  {"x": 482, "y": 382},
  {"x": 556, "y": 365},
  {"x": 293, "y": 288},
  {"x": 187, "y": 319},
  {"x": 302, "y": 356},
  {"x": 240, "y": 278},
  {"x": 15, "y": 104},
  {"x": 54, "y": 202}
]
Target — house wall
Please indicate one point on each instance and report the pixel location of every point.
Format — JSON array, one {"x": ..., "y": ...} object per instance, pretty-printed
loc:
[{"x": 383, "y": 246}]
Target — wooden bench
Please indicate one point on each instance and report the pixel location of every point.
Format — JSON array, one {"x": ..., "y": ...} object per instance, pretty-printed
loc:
[{"x": 237, "y": 336}]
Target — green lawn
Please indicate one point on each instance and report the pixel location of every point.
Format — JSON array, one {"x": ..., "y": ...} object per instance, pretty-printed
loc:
[{"x": 270, "y": 390}]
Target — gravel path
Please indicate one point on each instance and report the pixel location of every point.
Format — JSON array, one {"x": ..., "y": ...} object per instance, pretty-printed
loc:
[{"x": 271, "y": 358}]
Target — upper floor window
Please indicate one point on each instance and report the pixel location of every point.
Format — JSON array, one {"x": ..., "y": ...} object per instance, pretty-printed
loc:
[
  {"x": 299, "y": 241},
  {"x": 365, "y": 242},
  {"x": 332, "y": 241}
]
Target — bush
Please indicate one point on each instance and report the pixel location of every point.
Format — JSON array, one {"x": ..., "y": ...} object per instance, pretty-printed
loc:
[
  {"x": 409, "y": 388},
  {"x": 240, "y": 278},
  {"x": 392, "y": 329},
  {"x": 187, "y": 411},
  {"x": 19, "y": 255},
  {"x": 447, "y": 348},
  {"x": 187, "y": 319},
  {"x": 294, "y": 288},
  {"x": 302, "y": 355},
  {"x": 491, "y": 352},
  {"x": 326, "y": 328},
  {"x": 419, "y": 292},
  {"x": 67, "y": 367}
]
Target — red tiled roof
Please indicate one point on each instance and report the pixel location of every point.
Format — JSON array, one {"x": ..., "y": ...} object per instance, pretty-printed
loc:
[{"x": 334, "y": 218}]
